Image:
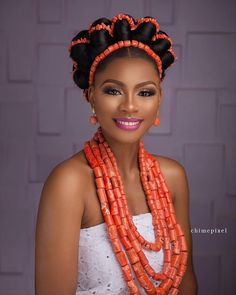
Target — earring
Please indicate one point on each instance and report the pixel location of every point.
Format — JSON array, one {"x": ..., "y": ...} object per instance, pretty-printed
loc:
[
  {"x": 93, "y": 119},
  {"x": 157, "y": 121}
]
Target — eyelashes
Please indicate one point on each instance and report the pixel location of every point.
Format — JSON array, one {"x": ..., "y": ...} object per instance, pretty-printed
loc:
[
  {"x": 114, "y": 92},
  {"x": 147, "y": 93},
  {"x": 111, "y": 91}
]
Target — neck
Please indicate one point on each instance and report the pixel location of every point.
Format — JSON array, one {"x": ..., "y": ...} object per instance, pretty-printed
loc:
[{"x": 126, "y": 155}]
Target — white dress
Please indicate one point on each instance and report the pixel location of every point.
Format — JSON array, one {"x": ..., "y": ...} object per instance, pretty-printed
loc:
[{"x": 99, "y": 271}]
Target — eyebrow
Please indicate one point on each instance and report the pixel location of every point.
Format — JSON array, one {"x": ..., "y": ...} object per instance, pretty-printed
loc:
[{"x": 122, "y": 84}]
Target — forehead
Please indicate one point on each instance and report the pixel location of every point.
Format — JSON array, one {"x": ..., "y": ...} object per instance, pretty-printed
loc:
[{"x": 129, "y": 70}]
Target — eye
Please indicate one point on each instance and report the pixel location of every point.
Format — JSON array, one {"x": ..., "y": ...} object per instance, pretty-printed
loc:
[
  {"x": 111, "y": 91},
  {"x": 146, "y": 93}
]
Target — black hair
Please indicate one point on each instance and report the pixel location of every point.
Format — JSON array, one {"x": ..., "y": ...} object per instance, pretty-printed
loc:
[{"x": 98, "y": 38}]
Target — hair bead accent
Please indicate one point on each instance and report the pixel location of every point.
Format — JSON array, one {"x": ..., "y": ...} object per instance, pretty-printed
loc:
[
  {"x": 99, "y": 27},
  {"x": 122, "y": 44},
  {"x": 79, "y": 41},
  {"x": 148, "y": 20},
  {"x": 161, "y": 36},
  {"x": 172, "y": 52}
]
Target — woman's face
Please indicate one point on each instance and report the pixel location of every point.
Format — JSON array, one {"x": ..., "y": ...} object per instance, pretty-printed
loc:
[{"x": 126, "y": 97}]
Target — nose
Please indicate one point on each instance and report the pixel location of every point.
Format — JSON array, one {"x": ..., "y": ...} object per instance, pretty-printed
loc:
[{"x": 128, "y": 104}]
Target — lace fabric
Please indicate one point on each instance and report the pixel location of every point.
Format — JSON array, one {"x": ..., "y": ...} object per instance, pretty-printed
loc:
[{"x": 99, "y": 271}]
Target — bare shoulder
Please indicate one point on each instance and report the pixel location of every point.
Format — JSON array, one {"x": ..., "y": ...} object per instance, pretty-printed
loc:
[
  {"x": 69, "y": 175},
  {"x": 59, "y": 218},
  {"x": 65, "y": 186},
  {"x": 174, "y": 173}
]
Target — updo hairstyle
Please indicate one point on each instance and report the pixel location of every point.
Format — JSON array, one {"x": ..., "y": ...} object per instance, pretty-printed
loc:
[{"x": 90, "y": 44}]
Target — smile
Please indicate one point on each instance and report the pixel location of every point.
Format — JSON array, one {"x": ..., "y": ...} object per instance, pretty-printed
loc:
[{"x": 128, "y": 124}]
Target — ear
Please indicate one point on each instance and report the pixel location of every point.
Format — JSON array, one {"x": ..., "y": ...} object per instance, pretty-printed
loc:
[{"x": 91, "y": 97}]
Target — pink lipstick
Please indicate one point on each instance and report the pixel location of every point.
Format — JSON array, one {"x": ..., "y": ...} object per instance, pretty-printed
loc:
[{"x": 129, "y": 124}]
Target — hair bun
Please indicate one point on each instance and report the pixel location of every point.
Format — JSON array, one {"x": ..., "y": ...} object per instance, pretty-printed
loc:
[
  {"x": 79, "y": 49},
  {"x": 122, "y": 25}
]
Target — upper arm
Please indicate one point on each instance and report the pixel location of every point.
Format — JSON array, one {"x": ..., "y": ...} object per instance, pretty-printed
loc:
[
  {"x": 57, "y": 233},
  {"x": 180, "y": 190}
]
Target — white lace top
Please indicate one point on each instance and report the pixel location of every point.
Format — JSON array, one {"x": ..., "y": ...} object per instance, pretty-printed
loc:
[{"x": 99, "y": 271}]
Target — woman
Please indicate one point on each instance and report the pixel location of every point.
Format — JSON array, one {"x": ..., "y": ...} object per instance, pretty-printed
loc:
[{"x": 121, "y": 210}]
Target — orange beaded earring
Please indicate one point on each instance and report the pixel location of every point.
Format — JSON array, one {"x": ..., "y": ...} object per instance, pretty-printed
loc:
[
  {"x": 93, "y": 119},
  {"x": 157, "y": 121}
]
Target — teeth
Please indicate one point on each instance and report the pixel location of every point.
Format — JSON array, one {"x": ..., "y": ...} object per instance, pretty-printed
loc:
[{"x": 128, "y": 123}]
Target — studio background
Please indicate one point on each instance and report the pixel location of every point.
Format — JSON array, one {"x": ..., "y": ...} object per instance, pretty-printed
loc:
[{"x": 44, "y": 119}]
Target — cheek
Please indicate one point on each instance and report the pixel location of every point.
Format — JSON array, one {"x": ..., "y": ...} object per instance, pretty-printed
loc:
[
  {"x": 150, "y": 109},
  {"x": 104, "y": 107}
]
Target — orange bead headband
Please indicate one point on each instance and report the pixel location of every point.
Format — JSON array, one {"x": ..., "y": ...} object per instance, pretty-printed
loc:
[{"x": 121, "y": 44}]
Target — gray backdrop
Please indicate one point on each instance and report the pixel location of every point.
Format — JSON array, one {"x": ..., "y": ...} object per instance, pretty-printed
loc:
[{"x": 44, "y": 120}]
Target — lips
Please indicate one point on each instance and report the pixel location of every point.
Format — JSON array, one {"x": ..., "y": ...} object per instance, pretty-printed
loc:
[{"x": 128, "y": 123}]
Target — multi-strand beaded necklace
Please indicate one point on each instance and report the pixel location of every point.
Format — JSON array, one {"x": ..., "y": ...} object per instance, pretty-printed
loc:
[{"x": 122, "y": 231}]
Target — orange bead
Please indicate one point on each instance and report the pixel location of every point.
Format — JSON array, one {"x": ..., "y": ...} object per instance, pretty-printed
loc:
[
  {"x": 175, "y": 260},
  {"x": 167, "y": 255},
  {"x": 165, "y": 188},
  {"x": 122, "y": 212},
  {"x": 117, "y": 193},
  {"x": 182, "y": 269},
  {"x": 184, "y": 257},
  {"x": 183, "y": 243},
  {"x": 156, "y": 246},
  {"x": 117, "y": 219},
  {"x": 132, "y": 287},
  {"x": 133, "y": 256},
  {"x": 143, "y": 258},
  {"x": 166, "y": 267},
  {"x": 173, "y": 291},
  {"x": 175, "y": 247},
  {"x": 99, "y": 182},
  {"x": 116, "y": 245},
  {"x": 160, "y": 291},
  {"x": 112, "y": 231},
  {"x": 114, "y": 209},
  {"x": 173, "y": 219},
  {"x": 108, "y": 219},
  {"x": 171, "y": 273},
  {"x": 179, "y": 230},
  {"x": 107, "y": 183},
  {"x": 146, "y": 284},
  {"x": 169, "y": 222},
  {"x": 127, "y": 272},
  {"x": 110, "y": 195},
  {"x": 97, "y": 171},
  {"x": 102, "y": 195},
  {"x": 138, "y": 269},
  {"x": 122, "y": 230},
  {"x": 177, "y": 280},
  {"x": 136, "y": 245},
  {"x": 121, "y": 258},
  {"x": 173, "y": 235},
  {"x": 159, "y": 276},
  {"x": 126, "y": 242},
  {"x": 166, "y": 284}
]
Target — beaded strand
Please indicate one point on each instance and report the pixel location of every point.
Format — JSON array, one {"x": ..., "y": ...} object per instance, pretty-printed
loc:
[{"x": 120, "y": 226}]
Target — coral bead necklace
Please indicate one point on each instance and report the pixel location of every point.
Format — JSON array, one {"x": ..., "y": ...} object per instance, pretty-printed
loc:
[{"x": 122, "y": 231}]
